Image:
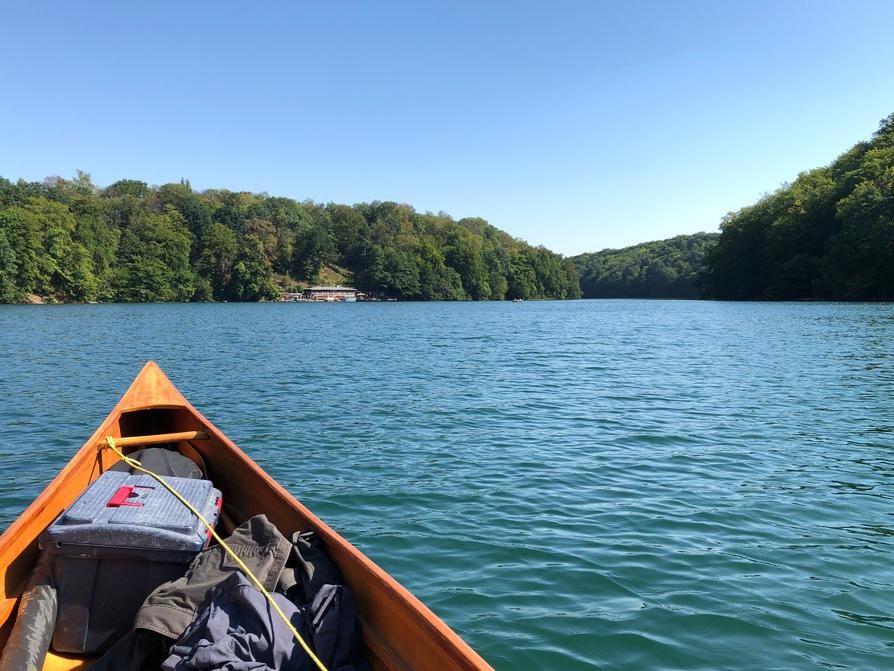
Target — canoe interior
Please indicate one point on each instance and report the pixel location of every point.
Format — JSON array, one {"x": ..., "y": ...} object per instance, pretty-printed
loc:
[{"x": 399, "y": 633}]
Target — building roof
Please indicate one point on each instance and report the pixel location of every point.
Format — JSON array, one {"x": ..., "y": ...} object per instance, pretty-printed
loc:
[{"x": 330, "y": 289}]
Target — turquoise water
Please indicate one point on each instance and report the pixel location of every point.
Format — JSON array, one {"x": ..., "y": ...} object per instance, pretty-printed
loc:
[{"x": 594, "y": 484}]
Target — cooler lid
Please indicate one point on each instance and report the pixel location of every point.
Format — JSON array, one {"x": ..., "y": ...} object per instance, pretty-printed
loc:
[{"x": 121, "y": 510}]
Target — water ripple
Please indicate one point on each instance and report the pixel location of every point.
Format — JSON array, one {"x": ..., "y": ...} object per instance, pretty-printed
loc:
[{"x": 599, "y": 484}]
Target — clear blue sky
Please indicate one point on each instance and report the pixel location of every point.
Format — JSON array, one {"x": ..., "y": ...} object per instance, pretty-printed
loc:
[{"x": 574, "y": 125}]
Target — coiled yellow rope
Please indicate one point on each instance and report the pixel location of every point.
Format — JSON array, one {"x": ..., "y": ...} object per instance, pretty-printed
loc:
[{"x": 133, "y": 463}]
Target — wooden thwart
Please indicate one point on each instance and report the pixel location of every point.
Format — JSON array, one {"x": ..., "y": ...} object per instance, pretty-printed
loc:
[{"x": 157, "y": 438}]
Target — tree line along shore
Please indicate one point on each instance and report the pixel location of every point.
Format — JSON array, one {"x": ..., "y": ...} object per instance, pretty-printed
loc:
[
  {"x": 71, "y": 241},
  {"x": 828, "y": 235}
]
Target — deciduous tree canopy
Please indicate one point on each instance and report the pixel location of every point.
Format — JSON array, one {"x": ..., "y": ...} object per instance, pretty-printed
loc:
[
  {"x": 829, "y": 235},
  {"x": 69, "y": 240},
  {"x": 661, "y": 269}
]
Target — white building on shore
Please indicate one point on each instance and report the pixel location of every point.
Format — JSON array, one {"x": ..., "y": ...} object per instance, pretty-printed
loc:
[{"x": 336, "y": 294}]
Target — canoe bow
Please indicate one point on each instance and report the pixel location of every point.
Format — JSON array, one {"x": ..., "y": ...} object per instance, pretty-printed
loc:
[{"x": 400, "y": 633}]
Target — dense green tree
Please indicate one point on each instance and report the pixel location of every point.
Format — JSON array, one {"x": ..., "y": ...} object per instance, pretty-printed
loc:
[
  {"x": 287, "y": 217},
  {"x": 437, "y": 280},
  {"x": 215, "y": 263},
  {"x": 828, "y": 235},
  {"x": 128, "y": 187},
  {"x": 462, "y": 252},
  {"x": 231, "y": 208},
  {"x": 400, "y": 273},
  {"x": 521, "y": 280},
  {"x": 99, "y": 239},
  {"x": 349, "y": 230},
  {"x": 195, "y": 210},
  {"x": 8, "y": 193},
  {"x": 69, "y": 240},
  {"x": 9, "y": 291},
  {"x": 312, "y": 248},
  {"x": 572, "y": 281},
  {"x": 23, "y": 230},
  {"x": 861, "y": 260},
  {"x": 153, "y": 259},
  {"x": 252, "y": 279},
  {"x": 662, "y": 269},
  {"x": 50, "y": 261},
  {"x": 496, "y": 261}
]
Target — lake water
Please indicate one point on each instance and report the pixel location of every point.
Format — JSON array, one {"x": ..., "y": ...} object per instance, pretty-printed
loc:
[{"x": 591, "y": 484}]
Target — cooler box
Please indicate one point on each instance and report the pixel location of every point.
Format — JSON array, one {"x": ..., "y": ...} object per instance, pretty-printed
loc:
[{"x": 124, "y": 536}]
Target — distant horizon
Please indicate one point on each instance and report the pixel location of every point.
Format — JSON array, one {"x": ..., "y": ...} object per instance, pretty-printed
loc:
[{"x": 579, "y": 126}]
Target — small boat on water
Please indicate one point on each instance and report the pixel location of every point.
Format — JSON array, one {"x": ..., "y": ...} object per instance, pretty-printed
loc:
[{"x": 399, "y": 632}]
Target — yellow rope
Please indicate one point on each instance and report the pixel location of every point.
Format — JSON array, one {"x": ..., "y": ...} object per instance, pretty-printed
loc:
[{"x": 136, "y": 464}]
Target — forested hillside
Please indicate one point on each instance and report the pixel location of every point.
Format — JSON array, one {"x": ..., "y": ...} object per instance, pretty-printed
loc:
[
  {"x": 660, "y": 269},
  {"x": 829, "y": 235},
  {"x": 69, "y": 240}
]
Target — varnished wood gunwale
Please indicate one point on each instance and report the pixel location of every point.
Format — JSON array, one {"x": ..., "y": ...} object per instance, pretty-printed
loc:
[{"x": 400, "y": 632}]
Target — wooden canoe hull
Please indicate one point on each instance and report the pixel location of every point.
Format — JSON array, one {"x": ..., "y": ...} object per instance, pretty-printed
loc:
[{"x": 400, "y": 633}]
